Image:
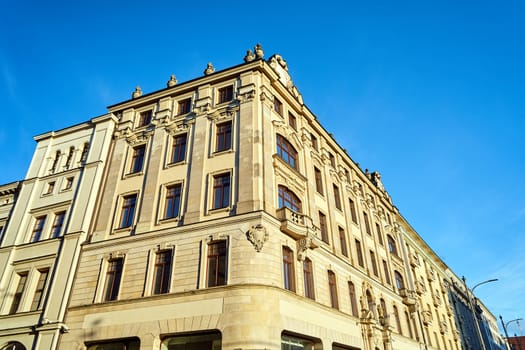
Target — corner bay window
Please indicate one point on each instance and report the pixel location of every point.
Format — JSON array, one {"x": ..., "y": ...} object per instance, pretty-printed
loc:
[
  {"x": 288, "y": 269},
  {"x": 113, "y": 277},
  {"x": 221, "y": 191},
  {"x": 288, "y": 199},
  {"x": 286, "y": 152},
  {"x": 128, "y": 210},
  {"x": 216, "y": 264}
]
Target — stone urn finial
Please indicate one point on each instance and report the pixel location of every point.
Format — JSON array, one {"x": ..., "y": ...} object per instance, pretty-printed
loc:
[
  {"x": 209, "y": 69},
  {"x": 172, "y": 82},
  {"x": 249, "y": 56},
  {"x": 259, "y": 53},
  {"x": 137, "y": 93}
]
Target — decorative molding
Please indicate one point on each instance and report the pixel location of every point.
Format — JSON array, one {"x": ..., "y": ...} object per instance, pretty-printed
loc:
[{"x": 257, "y": 235}]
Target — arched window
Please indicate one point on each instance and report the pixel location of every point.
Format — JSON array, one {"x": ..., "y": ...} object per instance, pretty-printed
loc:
[
  {"x": 400, "y": 284},
  {"x": 370, "y": 302},
  {"x": 286, "y": 151},
  {"x": 14, "y": 346},
  {"x": 392, "y": 245},
  {"x": 288, "y": 199}
]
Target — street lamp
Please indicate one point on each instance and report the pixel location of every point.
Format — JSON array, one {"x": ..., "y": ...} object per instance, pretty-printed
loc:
[
  {"x": 472, "y": 310},
  {"x": 505, "y": 325}
]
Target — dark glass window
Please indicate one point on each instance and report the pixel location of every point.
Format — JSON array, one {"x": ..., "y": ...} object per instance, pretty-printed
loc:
[
  {"x": 226, "y": 94},
  {"x": 323, "y": 228},
  {"x": 398, "y": 322},
  {"x": 162, "y": 272},
  {"x": 392, "y": 245},
  {"x": 172, "y": 202},
  {"x": 386, "y": 271},
  {"x": 216, "y": 264},
  {"x": 178, "y": 150},
  {"x": 221, "y": 191},
  {"x": 308, "y": 276},
  {"x": 277, "y": 106},
  {"x": 70, "y": 157},
  {"x": 128, "y": 210},
  {"x": 69, "y": 183},
  {"x": 353, "y": 299},
  {"x": 367, "y": 223},
  {"x": 184, "y": 106},
  {"x": 292, "y": 121},
  {"x": 318, "y": 180},
  {"x": 85, "y": 149},
  {"x": 113, "y": 277},
  {"x": 223, "y": 137},
  {"x": 359, "y": 251},
  {"x": 379, "y": 234},
  {"x": 400, "y": 284},
  {"x": 332, "y": 159},
  {"x": 342, "y": 240},
  {"x": 39, "y": 291},
  {"x": 55, "y": 161},
  {"x": 17, "y": 297},
  {"x": 195, "y": 341},
  {"x": 288, "y": 199},
  {"x": 137, "y": 159},
  {"x": 337, "y": 197},
  {"x": 286, "y": 152},
  {"x": 353, "y": 212},
  {"x": 374, "y": 263},
  {"x": 332, "y": 286},
  {"x": 38, "y": 228},
  {"x": 315, "y": 143},
  {"x": 122, "y": 344},
  {"x": 288, "y": 269},
  {"x": 144, "y": 118},
  {"x": 57, "y": 224}
]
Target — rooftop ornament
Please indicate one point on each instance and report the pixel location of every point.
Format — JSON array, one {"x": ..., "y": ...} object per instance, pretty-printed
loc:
[
  {"x": 209, "y": 69},
  {"x": 137, "y": 93},
  {"x": 172, "y": 82}
]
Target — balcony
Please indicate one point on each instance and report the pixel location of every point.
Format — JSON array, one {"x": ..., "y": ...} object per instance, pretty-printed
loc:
[
  {"x": 426, "y": 315},
  {"x": 296, "y": 225},
  {"x": 409, "y": 298}
]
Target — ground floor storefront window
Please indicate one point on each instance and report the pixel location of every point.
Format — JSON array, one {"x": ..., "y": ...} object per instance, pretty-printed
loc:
[
  {"x": 194, "y": 341},
  {"x": 121, "y": 344},
  {"x": 294, "y": 342}
]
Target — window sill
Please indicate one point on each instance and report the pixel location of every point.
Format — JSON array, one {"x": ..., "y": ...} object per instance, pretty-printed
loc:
[
  {"x": 220, "y": 210},
  {"x": 174, "y": 164},
  {"x": 224, "y": 151},
  {"x": 120, "y": 230},
  {"x": 129, "y": 175},
  {"x": 175, "y": 219}
]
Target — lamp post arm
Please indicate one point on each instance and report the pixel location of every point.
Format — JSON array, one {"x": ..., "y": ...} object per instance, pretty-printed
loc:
[{"x": 479, "y": 284}]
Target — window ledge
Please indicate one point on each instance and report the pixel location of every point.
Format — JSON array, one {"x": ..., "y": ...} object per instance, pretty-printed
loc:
[
  {"x": 225, "y": 151},
  {"x": 122, "y": 230},
  {"x": 175, "y": 219},
  {"x": 174, "y": 164},
  {"x": 220, "y": 210},
  {"x": 138, "y": 173}
]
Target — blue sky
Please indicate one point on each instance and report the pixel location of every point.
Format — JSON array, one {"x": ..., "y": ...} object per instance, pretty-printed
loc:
[{"x": 431, "y": 94}]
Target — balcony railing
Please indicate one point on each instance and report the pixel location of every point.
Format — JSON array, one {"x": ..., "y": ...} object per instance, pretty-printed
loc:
[{"x": 295, "y": 224}]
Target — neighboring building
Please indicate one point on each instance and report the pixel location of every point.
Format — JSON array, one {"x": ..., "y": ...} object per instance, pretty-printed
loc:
[
  {"x": 217, "y": 214},
  {"x": 41, "y": 244},
  {"x": 517, "y": 342},
  {"x": 8, "y": 196}
]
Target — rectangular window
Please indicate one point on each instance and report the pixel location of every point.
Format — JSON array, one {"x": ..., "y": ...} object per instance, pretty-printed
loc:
[
  {"x": 379, "y": 234},
  {"x": 216, "y": 264},
  {"x": 172, "y": 202},
  {"x": 374, "y": 263},
  {"x": 178, "y": 150},
  {"x": 353, "y": 212},
  {"x": 55, "y": 161},
  {"x": 69, "y": 183},
  {"x": 318, "y": 180},
  {"x": 137, "y": 160},
  {"x": 184, "y": 106},
  {"x": 39, "y": 291},
  {"x": 332, "y": 159},
  {"x": 38, "y": 228},
  {"x": 308, "y": 276},
  {"x": 288, "y": 269},
  {"x": 323, "y": 228},
  {"x": 223, "y": 137},
  {"x": 17, "y": 297},
  {"x": 50, "y": 187},
  {"x": 387, "y": 273},
  {"x": 359, "y": 251},
  {"x": 367, "y": 223},
  {"x": 353, "y": 299},
  {"x": 56, "y": 230},
  {"x": 144, "y": 118},
  {"x": 337, "y": 197},
  {"x": 162, "y": 272},
  {"x": 332, "y": 286},
  {"x": 84, "y": 154},
  {"x": 277, "y": 106},
  {"x": 292, "y": 121},
  {"x": 113, "y": 277},
  {"x": 128, "y": 210},
  {"x": 226, "y": 94},
  {"x": 221, "y": 191},
  {"x": 342, "y": 239},
  {"x": 69, "y": 158},
  {"x": 315, "y": 143}
]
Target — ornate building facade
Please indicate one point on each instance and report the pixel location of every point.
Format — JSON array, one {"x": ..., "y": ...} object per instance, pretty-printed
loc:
[{"x": 226, "y": 217}]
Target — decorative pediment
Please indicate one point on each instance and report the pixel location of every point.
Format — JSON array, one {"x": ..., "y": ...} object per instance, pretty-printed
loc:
[
  {"x": 176, "y": 128},
  {"x": 223, "y": 114},
  {"x": 246, "y": 93},
  {"x": 288, "y": 133},
  {"x": 285, "y": 176},
  {"x": 134, "y": 137},
  {"x": 280, "y": 67}
]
